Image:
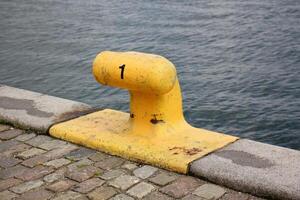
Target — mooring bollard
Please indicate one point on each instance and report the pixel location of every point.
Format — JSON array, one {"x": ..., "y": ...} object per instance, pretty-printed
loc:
[
  {"x": 155, "y": 97},
  {"x": 155, "y": 131}
]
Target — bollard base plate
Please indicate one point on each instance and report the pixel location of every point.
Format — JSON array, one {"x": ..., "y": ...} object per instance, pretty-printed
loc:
[{"x": 109, "y": 131}]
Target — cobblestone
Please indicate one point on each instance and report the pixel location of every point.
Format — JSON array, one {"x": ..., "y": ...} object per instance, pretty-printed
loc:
[
  {"x": 12, "y": 171},
  {"x": 122, "y": 197},
  {"x": 34, "y": 173},
  {"x": 64, "y": 171},
  {"x": 162, "y": 179},
  {"x": 80, "y": 164},
  {"x": 82, "y": 173},
  {"x": 7, "y": 183},
  {"x": 16, "y": 149},
  {"x": 38, "y": 140},
  {"x": 57, "y": 153},
  {"x": 69, "y": 195},
  {"x": 8, "y": 161},
  {"x": 57, "y": 163},
  {"x": 102, "y": 193},
  {"x": 36, "y": 160},
  {"x": 193, "y": 197},
  {"x": 124, "y": 182},
  {"x": 25, "y": 137},
  {"x": 99, "y": 156},
  {"x": 7, "y": 195},
  {"x": 112, "y": 174},
  {"x": 39, "y": 194},
  {"x": 24, "y": 187},
  {"x": 110, "y": 163},
  {"x": 30, "y": 153},
  {"x": 80, "y": 153},
  {"x": 181, "y": 187},
  {"x": 145, "y": 171},
  {"x": 129, "y": 166},
  {"x": 4, "y": 127},
  {"x": 88, "y": 185},
  {"x": 61, "y": 186},
  {"x": 53, "y": 154},
  {"x": 4, "y": 146},
  {"x": 52, "y": 144},
  {"x": 9, "y": 134},
  {"x": 140, "y": 190},
  {"x": 53, "y": 177},
  {"x": 157, "y": 196},
  {"x": 209, "y": 191}
]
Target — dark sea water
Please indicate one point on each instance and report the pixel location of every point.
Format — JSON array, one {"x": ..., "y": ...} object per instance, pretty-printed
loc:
[{"x": 238, "y": 61}]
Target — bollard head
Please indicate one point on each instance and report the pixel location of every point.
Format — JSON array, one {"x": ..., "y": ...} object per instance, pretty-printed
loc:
[{"x": 141, "y": 72}]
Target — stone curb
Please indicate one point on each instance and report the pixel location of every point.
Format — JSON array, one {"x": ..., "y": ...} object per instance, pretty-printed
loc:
[
  {"x": 35, "y": 111},
  {"x": 248, "y": 166},
  {"x": 253, "y": 167}
]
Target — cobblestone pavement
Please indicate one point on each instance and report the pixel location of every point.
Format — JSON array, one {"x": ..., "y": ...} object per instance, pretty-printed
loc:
[{"x": 41, "y": 167}]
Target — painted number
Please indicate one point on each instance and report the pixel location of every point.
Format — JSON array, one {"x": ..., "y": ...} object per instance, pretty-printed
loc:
[{"x": 122, "y": 67}]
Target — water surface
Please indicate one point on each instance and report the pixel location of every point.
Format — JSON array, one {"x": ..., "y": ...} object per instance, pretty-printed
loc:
[{"x": 238, "y": 61}]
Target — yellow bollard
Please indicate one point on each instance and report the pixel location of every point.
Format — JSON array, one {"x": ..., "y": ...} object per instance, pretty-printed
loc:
[
  {"x": 155, "y": 131},
  {"x": 155, "y": 98}
]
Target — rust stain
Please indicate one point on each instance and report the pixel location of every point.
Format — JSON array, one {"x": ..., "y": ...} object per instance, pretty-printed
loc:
[
  {"x": 154, "y": 120},
  {"x": 187, "y": 151}
]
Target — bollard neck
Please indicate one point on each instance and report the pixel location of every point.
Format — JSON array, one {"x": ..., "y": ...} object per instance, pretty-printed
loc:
[{"x": 148, "y": 111}]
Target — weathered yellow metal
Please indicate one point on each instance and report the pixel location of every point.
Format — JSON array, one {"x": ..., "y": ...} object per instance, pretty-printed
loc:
[
  {"x": 155, "y": 131},
  {"x": 135, "y": 71}
]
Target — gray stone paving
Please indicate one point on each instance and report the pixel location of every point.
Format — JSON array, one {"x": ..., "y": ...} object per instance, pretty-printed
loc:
[
  {"x": 145, "y": 171},
  {"x": 254, "y": 167},
  {"x": 41, "y": 167},
  {"x": 209, "y": 191},
  {"x": 57, "y": 163},
  {"x": 36, "y": 111},
  {"x": 140, "y": 190}
]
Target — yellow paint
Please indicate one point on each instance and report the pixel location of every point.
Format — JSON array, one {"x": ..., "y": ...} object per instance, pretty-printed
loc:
[
  {"x": 155, "y": 131},
  {"x": 146, "y": 73}
]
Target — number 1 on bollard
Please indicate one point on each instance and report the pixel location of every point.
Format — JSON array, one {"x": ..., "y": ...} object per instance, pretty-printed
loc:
[{"x": 122, "y": 67}]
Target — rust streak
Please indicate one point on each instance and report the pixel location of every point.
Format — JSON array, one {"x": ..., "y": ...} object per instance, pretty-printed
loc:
[{"x": 189, "y": 152}]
